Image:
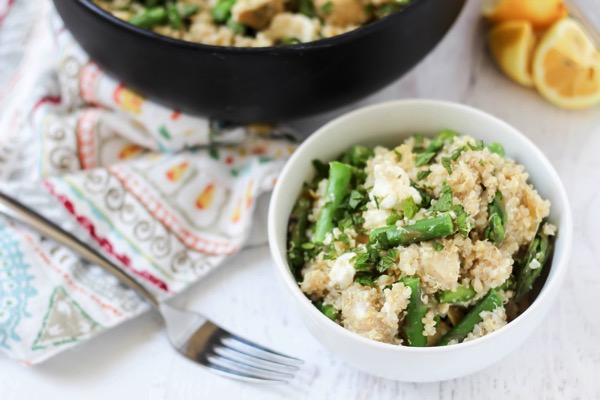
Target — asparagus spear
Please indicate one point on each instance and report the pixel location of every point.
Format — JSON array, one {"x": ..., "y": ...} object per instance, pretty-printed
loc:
[
  {"x": 532, "y": 264},
  {"x": 508, "y": 284},
  {"x": 329, "y": 310},
  {"x": 187, "y": 10},
  {"x": 495, "y": 231},
  {"x": 306, "y": 7},
  {"x": 173, "y": 16},
  {"x": 423, "y": 229},
  {"x": 460, "y": 295},
  {"x": 149, "y": 18},
  {"x": 297, "y": 233},
  {"x": 415, "y": 312},
  {"x": 357, "y": 156},
  {"x": 337, "y": 186},
  {"x": 222, "y": 10},
  {"x": 490, "y": 302},
  {"x": 236, "y": 27}
]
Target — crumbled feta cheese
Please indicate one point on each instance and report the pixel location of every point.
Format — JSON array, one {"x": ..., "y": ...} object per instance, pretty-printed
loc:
[
  {"x": 342, "y": 272},
  {"x": 549, "y": 229},
  {"x": 375, "y": 218},
  {"x": 297, "y": 26},
  {"x": 534, "y": 264},
  {"x": 391, "y": 185}
]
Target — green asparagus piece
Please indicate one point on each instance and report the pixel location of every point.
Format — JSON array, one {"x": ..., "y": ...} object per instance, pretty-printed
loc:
[
  {"x": 222, "y": 10},
  {"x": 490, "y": 302},
  {"x": 329, "y": 310},
  {"x": 508, "y": 284},
  {"x": 187, "y": 10},
  {"x": 290, "y": 40},
  {"x": 460, "y": 295},
  {"x": 297, "y": 233},
  {"x": 150, "y": 18},
  {"x": 173, "y": 16},
  {"x": 337, "y": 186},
  {"x": 357, "y": 156},
  {"x": 495, "y": 231},
  {"x": 152, "y": 3},
  {"x": 236, "y": 27},
  {"x": 415, "y": 312},
  {"x": 531, "y": 267},
  {"x": 423, "y": 229},
  {"x": 307, "y": 8}
]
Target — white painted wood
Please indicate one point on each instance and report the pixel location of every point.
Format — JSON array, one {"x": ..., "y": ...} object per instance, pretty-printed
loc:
[{"x": 560, "y": 361}]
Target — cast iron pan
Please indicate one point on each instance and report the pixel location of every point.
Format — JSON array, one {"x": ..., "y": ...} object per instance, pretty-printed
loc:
[{"x": 270, "y": 84}]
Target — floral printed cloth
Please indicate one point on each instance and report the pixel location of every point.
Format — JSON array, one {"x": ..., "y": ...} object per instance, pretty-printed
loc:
[{"x": 155, "y": 190}]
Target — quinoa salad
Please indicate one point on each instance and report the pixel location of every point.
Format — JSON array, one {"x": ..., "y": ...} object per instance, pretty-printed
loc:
[
  {"x": 435, "y": 242},
  {"x": 250, "y": 23}
]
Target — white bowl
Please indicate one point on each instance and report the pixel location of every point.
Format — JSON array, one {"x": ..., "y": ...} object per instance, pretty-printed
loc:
[{"x": 388, "y": 124}]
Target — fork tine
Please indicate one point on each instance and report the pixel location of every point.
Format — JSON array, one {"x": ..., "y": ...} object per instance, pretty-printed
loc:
[
  {"x": 231, "y": 340},
  {"x": 229, "y": 373},
  {"x": 258, "y": 362},
  {"x": 242, "y": 371},
  {"x": 247, "y": 353},
  {"x": 250, "y": 365}
]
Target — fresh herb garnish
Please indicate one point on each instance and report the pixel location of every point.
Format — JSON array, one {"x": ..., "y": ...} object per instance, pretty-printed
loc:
[
  {"x": 364, "y": 279},
  {"x": 437, "y": 246},
  {"x": 387, "y": 261},
  {"x": 326, "y": 8},
  {"x": 393, "y": 218},
  {"x": 423, "y": 174},
  {"x": 446, "y": 161},
  {"x": 409, "y": 207},
  {"x": 479, "y": 145},
  {"x": 444, "y": 202},
  {"x": 329, "y": 310},
  {"x": 398, "y": 155},
  {"x": 496, "y": 147},
  {"x": 434, "y": 146}
]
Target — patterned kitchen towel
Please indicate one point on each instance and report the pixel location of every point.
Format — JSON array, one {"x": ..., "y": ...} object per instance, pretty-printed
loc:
[{"x": 165, "y": 195}]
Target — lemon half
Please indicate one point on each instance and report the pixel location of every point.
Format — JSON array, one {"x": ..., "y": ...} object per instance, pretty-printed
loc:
[
  {"x": 566, "y": 66},
  {"x": 511, "y": 44}
]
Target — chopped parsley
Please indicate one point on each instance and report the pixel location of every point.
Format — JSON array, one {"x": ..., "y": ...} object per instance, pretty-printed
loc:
[
  {"x": 393, "y": 218},
  {"x": 446, "y": 161},
  {"x": 398, "y": 155},
  {"x": 437, "y": 246},
  {"x": 387, "y": 261},
  {"x": 477, "y": 146},
  {"x": 409, "y": 207},
  {"x": 329, "y": 310},
  {"x": 423, "y": 174},
  {"x": 326, "y": 8},
  {"x": 496, "y": 147},
  {"x": 444, "y": 203},
  {"x": 364, "y": 279}
]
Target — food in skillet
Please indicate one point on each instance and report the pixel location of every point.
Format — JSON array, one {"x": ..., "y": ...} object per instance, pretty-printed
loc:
[
  {"x": 435, "y": 242},
  {"x": 250, "y": 23}
]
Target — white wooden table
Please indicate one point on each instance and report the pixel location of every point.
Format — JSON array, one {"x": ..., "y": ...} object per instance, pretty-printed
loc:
[{"x": 560, "y": 361}]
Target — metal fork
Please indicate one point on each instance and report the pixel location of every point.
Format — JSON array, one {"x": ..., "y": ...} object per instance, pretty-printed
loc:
[{"x": 192, "y": 334}]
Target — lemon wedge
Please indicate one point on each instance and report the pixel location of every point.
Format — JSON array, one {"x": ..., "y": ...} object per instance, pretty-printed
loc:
[
  {"x": 566, "y": 66},
  {"x": 511, "y": 44},
  {"x": 541, "y": 13}
]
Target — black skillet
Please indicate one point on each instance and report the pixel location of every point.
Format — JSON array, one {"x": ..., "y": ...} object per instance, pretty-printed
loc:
[{"x": 261, "y": 84}]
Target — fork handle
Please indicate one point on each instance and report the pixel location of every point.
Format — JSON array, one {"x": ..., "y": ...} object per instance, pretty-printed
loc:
[{"x": 20, "y": 212}]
